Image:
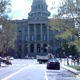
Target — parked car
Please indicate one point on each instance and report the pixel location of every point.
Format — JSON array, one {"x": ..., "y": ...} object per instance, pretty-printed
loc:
[
  {"x": 5, "y": 60},
  {"x": 11, "y": 58},
  {"x": 53, "y": 63}
]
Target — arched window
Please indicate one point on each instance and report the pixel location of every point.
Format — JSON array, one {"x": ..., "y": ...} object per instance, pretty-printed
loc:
[
  {"x": 38, "y": 48},
  {"x": 32, "y": 47},
  {"x": 45, "y": 47},
  {"x": 38, "y": 6}
]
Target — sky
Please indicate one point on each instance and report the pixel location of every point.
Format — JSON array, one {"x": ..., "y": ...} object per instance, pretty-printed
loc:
[{"x": 21, "y": 8}]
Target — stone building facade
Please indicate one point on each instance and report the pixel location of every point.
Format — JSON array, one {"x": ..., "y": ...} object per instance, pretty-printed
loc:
[{"x": 33, "y": 34}]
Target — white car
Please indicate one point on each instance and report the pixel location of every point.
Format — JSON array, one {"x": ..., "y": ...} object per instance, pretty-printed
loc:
[{"x": 11, "y": 58}]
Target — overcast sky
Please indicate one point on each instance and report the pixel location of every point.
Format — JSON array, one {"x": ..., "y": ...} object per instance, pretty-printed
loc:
[{"x": 21, "y": 8}]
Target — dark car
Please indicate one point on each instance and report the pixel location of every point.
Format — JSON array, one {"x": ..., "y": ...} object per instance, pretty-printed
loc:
[{"x": 53, "y": 63}]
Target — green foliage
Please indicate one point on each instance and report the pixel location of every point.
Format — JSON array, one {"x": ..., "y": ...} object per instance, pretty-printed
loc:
[
  {"x": 64, "y": 25},
  {"x": 4, "y": 7},
  {"x": 7, "y": 33},
  {"x": 75, "y": 67}
]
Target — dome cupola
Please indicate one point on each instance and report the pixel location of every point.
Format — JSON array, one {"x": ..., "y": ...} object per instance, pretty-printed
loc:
[{"x": 39, "y": 7}]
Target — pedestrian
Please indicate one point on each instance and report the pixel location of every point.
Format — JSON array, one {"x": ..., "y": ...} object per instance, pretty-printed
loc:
[
  {"x": 67, "y": 60},
  {"x": 78, "y": 61}
]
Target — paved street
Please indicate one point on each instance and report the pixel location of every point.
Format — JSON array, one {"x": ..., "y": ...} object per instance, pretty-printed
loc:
[{"x": 31, "y": 70}]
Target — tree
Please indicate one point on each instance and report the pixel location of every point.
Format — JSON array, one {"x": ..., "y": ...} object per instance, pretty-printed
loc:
[
  {"x": 7, "y": 31},
  {"x": 70, "y": 8},
  {"x": 4, "y": 8},
  {"x": 68, "y": 14}
]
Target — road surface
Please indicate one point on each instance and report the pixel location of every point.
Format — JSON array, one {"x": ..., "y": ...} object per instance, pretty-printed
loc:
[{"x": 32, "y": 70}]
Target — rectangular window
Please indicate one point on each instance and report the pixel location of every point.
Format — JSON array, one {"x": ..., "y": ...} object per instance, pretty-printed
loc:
[
  {"x": 51, "y": 37},
  {"x": 26, "y": 38},
  {"x": 32, "y": 37},
  {"x": 44, "y": 29},
  {"x": 38, "y": 28},
  {"x": 20, "y": 29},
  {"x": 38, "y": 38},
  {"x": 44, "y": 37},
  {"x": 20, "y": 49},
  {"x": 19, "y": 38},
  {"x": 25, "y": 28},
  {"x": 31, "y": 27}
]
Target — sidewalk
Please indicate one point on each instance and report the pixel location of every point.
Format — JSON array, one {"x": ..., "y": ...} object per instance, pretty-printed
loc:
[{"x": 76, "y": 72}]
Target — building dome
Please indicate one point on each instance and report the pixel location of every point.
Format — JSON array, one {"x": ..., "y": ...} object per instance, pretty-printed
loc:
[
  {"x": 39, "y": 7},
  {"x": 38, "y": 0}
]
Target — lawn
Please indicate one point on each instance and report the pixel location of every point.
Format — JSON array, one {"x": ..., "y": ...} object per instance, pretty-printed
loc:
[{"x": 75, "y": 67}]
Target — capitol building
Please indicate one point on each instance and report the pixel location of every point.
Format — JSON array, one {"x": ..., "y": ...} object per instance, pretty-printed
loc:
[{"x": 34, "y": 36}]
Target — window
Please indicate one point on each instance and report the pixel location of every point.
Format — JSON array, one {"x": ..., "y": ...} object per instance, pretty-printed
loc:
[
  {"x": 19, "y": 38},
  {"x": 51, "y": 37},
  {"x": 20, "y": 49},
  {"x": 31, "y": 28},
  {"x": 38, "y": 29},
  {"x": 38, "y": 38},
  {"x": 26, "y": 38},
  {"x": 32, "y": 47},
  {"x": 38, "y": 6},
  {"x": 44, "y": 37},
  {"x": 32, "y": 37},
  {"x": 44, "y": 27},
  {"x": 26, "y": 48},
  {"x": 42, "y": 6},
  {"x": 25, "y": 28},
  {"x": 20, "y": 29}
]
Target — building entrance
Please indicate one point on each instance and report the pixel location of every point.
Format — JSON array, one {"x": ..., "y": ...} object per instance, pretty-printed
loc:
[
  {"x": 32, "y": 47},
  {"x": 44, "y": 49},
  {"x": 38, "y": 48}
]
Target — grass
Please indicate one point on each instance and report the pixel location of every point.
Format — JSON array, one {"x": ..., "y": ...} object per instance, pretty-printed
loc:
[{"x": 75, "y": 67}]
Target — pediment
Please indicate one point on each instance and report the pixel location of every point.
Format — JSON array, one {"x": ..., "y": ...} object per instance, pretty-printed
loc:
[{"x": 37, "y": 18}]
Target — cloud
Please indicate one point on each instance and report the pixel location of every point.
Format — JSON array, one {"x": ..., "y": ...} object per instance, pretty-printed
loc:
[{"x": 21, "y": 8}]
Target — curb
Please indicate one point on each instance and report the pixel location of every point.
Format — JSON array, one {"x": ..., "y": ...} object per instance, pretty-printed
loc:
[
  {"x": 74, "y": 71},
  {"x": 70, "y": 69}
]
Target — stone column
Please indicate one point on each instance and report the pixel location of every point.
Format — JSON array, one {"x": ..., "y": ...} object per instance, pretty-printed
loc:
[
  {"x": 28, "y": 32},
  {"x": 48, "y": 44},
  {"x": 35, "y": 32},
  {"x": 22, "y": 50},
  {"x": 22, "y": 54},
  {"x": 41, "y": 48},
  {"x": 35, "y": 47},
  {"x": 28, "y": 48},
  {"x": 28, "y": 39},
  {"x": 48, "y": 33},
  {"x": 41, "y": 32}
]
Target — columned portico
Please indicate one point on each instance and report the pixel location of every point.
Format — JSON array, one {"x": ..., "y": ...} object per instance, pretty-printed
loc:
[{"x": 38, "y": 32}]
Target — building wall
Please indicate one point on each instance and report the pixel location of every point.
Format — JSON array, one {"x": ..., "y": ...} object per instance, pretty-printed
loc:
[
  {"x": 33, "y": 38},
  {"x": 33, "y": 34}
]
